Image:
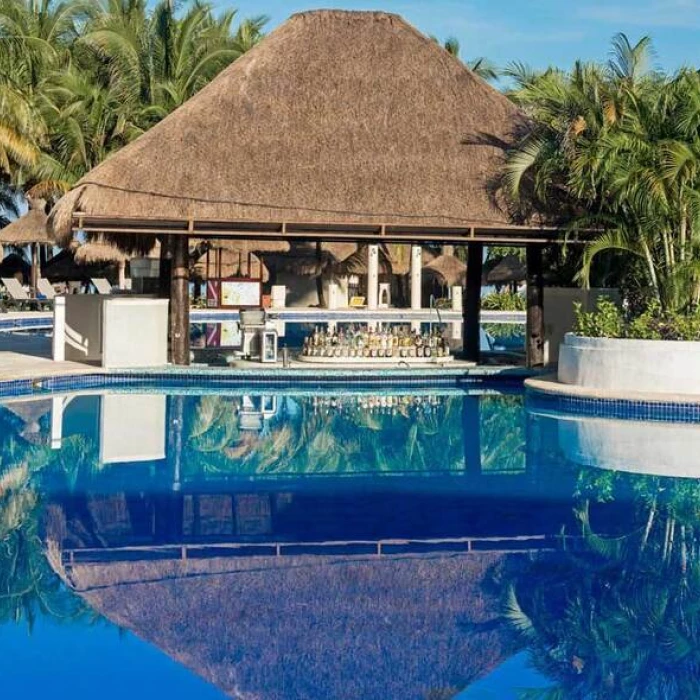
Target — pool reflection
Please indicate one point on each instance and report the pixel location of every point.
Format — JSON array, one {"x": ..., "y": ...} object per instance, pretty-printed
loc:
[{"x": 344, "y": 545}]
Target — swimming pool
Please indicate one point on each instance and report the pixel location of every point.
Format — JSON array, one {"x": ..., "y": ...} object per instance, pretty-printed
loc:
[{"x": 338, "y": 542}]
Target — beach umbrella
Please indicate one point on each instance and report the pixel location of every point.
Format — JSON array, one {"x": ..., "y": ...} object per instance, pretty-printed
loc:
[
  {"x": 508, "y": 270},
  {"x": 99, "y": 251},
  {"x": 447, "y": 270},
  {"x": 32, "y": 230}
]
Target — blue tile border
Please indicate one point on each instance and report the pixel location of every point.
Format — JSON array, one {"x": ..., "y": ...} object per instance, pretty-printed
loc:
[
  {"x": 628, "y": 409},
  {"x": 305, "y": 379}
]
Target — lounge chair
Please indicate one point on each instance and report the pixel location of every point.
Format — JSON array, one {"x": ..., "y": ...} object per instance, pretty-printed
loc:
[
  {"x": 19, "y": 297},
  {"x": 102, "y": 285},
  {"x": 45, "y": 288}
]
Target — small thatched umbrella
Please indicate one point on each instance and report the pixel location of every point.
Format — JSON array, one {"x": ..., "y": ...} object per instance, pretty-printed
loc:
[
  {"x": 101, "y": 251},
  {"x": 63, "y": 268},
  {"x": 509, "y": 270},
  {"x": 30, "y": 413},
  {"x": 310, "y": 259},
  {"x": 447, "y": 270},
  {"x": 229, "y": 258},
  {"x": 356, "y": 264},
  {"x": 30, "y": 229}
]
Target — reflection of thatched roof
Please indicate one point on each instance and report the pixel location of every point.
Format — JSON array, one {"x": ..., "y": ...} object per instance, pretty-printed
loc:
[
  {"x": 509, "y": 269},
  {"x": 30, "y": 228},
  {"x": 30, "y": 413},
  {"x": 335, "y": 117},
  {"x": 99, "y": 251},
  {"x": 447, "y": 270},
  {"x": 310, "y": 626}
]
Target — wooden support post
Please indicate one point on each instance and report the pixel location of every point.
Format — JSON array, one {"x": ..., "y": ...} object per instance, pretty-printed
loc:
[
  {"x": 180, "y": 302},
  {"x": 471, "y": 310},
  {"x": 36, "y": 268},
  {"x": 535, "y": 307},
  {"x": 166, "y": 268}
]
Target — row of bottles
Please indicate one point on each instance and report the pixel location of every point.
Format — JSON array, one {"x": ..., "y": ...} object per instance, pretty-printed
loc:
[
  {"x": 382, "y": 404},
  {"x": 364, "y": 342}
]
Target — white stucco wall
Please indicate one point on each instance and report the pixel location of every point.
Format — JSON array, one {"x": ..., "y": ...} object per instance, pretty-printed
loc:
[
  {"x": 559, "y": 314},
  {"x": 658, "y": 448},
  {"x": 654, "y": 366}
]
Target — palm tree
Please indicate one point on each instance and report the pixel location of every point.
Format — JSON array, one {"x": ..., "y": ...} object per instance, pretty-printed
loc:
[
  {"x": 617, "y": 147},
  {"x": 480, "y": 66}
]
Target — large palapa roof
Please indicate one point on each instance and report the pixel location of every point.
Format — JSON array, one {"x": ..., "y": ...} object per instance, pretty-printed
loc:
[{"x": 334, "y": 118}]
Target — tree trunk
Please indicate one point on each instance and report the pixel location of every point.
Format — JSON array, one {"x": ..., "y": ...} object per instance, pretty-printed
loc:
[
  {"x": 165, "y": 267},
  {"x": 180, "y": 302},
  {"x": 319, "y": 277},
  {"x": 535, "y": 307}
]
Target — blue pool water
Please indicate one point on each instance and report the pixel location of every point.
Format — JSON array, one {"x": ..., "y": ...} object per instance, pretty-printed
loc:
[{"x": 344, "y": 544}]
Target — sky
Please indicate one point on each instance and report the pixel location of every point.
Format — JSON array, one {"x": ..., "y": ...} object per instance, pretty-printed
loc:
[{"x": 537, "y": 32}]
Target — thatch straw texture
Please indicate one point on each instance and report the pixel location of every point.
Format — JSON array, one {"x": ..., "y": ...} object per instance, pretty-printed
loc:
[
  {"x": 393, "y": 260},
  {"x": 304, "y": 259},
  {"x": 510, "y": 269},
  {"x": 311, "y": 627},
  {"x": 99, "y": 251},
  {"x": 29, "y": 228},
  {"x": 448, "y": 270},
  {"x": 64, "y": 268},
  {"x": 335, "y": 117}
]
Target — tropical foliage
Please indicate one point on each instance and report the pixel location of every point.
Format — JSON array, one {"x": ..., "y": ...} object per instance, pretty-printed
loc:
[
  {"x": 81, "y": 78},
  {"x": 618, "y": 616},
  {"x": 616, "y": 148},
  {"x": 503, "y": 301},
  {"x": 351, "y": 435},
  {"x": 607, "y": 320}
]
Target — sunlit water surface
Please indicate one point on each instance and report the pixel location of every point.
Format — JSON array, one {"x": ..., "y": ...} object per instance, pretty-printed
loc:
[{"x": 344, "y": 545}]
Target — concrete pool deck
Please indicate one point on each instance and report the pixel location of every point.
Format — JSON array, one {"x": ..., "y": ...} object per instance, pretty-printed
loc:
[{"x": 549, "y": 385}]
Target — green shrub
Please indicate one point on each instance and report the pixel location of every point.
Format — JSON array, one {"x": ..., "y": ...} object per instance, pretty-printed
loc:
[
  {"x": 503, "y": 301},
  {"x": 608, "y": 321},
  {"x": 605, "y": 322}
]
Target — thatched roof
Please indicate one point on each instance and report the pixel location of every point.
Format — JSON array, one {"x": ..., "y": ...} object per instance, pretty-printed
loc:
[
  {"x": 29, "y": 228},
  {"x": 235, "y": 260},
  {"x": 447, "y": 270},
  {"x": 335, "y": 118},
  {"x": 303, "y": 258},
  {"x": 249, "y": 246},
  {"x": 509, "y": 269},
  {"x": 311, "y": 626},
  {"x": 99, "y": 251},
  {"x": 63, "y": 268},
  {"x": 393, "y": 259}
]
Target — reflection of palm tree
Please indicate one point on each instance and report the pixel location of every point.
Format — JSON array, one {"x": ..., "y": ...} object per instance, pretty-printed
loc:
[
  {"x": 28, "y": 586},
  {"x": 315, "y": 439},
  {"x": 621, "y": 616}
]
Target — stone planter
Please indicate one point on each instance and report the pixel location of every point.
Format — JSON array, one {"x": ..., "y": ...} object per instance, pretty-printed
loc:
[{"x": 621, "y": 365}]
